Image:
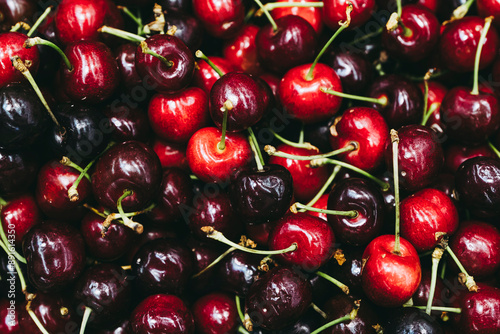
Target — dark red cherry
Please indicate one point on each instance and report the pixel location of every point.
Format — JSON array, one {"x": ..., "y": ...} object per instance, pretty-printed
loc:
[
  {"x": 313, "y": 236},
  {"x": 354, "y": 69},
  {"x": 279, "y": 298},
  {"x": 342, "y": 304},
  {"x": 477, "y": 245},
  {"x": 259, "y": 233},
  {"x": 127, "y": 166},
  {"x": 456, "y": 154},
  {"x": 122, "y": 327},
  {"x": 125, "y": 59},
  {"x": 241, "y": 50},
  {"x": 293, "y": 43},
  {"x": 205, "y": 76},
  {"x": 441, "y": 295},
  {"x": 170, "y": 154},
  {"x": 161, "y": 76},
  {"x": 18, "y": 171},
  {"x": 405, "y": 100},
  {"x": 307, "y": 323},
  {"x": 175, "y": 193},
  {"x": 19, "y": 215},
  {"x": 159, "y": 314},
  {"x": 215, "y": 313},
  {"x": 262, "y": 196},
  {"x": 128, "y": 123},
  {"x": 412, "y": 320},
  {"x": 12, "y": 44},
  {"x": 162, "y": 266},
  {"x": 13, "y": 11},
  {"x": 85, "y": 85},
  {"x": 477, "y": 183},
  {"x": 9, "y": 317},
  {"x": 459, "y": 41},
  {"x": 220, "y": 18},
  {"x": 237, "y": 272},
  {"x": 363, "y": 197},
  {"x": 348, "y": 268},
  {"x": 335, "y": 11},
  {"x": 203, "y": 254},
  {"x": 420, "y": 156},
  {"x": 55, "y": 255},
  {"x": 188, "y": 28},
  {"x": 23, "y": 117},
  {"x": 150, "y": 233}
]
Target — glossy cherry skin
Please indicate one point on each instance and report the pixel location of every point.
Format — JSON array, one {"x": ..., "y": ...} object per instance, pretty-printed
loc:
[
  {"x": 321, "y": 203},
  {"x": 262, "y": 196},
  {"x": 469, "y": 118},
  {"x": 477, "y": 246},
  {"x": 122, "y": 327},
  {"x": 353, "y": 68},
  {"x": 24, "y": 119},
  {"x": 205, "y": 76},
  {"x": 390, "y": 279},
  {"x": 425, "y": 213},
  {"x": 18, "y": 171},
  {"x": 238, "y": 271},
  {"x": 83, "y": 85},
  {"x": 14, "y": 11},
  {"x": 128, "y": 123},
  {"x": 441, "y": 294},
  {"x": 405, "y": 100},
  {"x": 215, "y": 313},
  {"x": 307, "y": 181},
  {"x": 314, "y": 238},
  {"x": 368, "y": 129},
  {"x": 335, "y": 11},
  {"x": 162, "y": 266},
  {"x": 175, "y": 193},
  {"x": 456, "y": 154},
  {"x": 188, "y": 27},
  {"x": 348, "y": 271},
  {"x": 203, "y": 255},
  {"x": 11, "y": 44},
  {"x": 435, "y": 96},
  {"x": 19, "y": 215},
  {"x": 127, "y": 166},
  {"x": 422, "y": 28},
  {"x": 114, "y": 244},
  {"x": 411, "y": 320},
  {"x": 150, "y": 233},
  {"x": 420, "y": 156},
  {"x": 279, "y": 298},
  {"x": 163, "y": 78},
  {"x": 209, "y": 163},
  {"x": 220, "y": 18},
  {"x": 241, "y": 50},
  {"x": 480, "y": 311},
  {"x": 302, "y": 98},
  {"x": 476, "y": 183},
  {"x": 176, "y": 117},
  {"x": 9, "y": 320},
  {"x": 78, "y": 20},
  {"x": 105, "y": 289},
  {"x": 310, "y": 14},
  {"x": 53, "y": 183},
  {"x": 161, "y": 313},
  {"x": 293, "y": 44},
  {"x": 170, "y": 154},
  {"x": 55, "y": 255},
  {"x": 364, "y": 197},
  {"x": 459, "y": 41},
  {"x": 125, "y": 59}
]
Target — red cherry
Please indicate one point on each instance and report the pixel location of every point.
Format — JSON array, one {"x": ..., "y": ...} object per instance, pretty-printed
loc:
[
  {"x": 170, "y": 154},
  {"x": 435, "y": 94},
  {"x": 456, "y": 154},
  {"x": 310, "y": 14},
  {"x": 221, "y": 18},
  {"x": 241, "y": 51},
  {"x": 205, "y": 76},
  {"x": 321, "y": 203},
  {"x": 215, "y": 313},
  {"x": 9, "y": 317},
  {"x": 335, "y": 11},
  {"x": 19, "y": 215},
  {"x": 11, "y": 44}
]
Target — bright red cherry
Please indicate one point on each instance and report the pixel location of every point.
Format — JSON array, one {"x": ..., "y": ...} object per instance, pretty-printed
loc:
[
  {"x": 334, "y": 11},
  {"x": 456, "y": 154},
  {"x": 205, "y": 76},
  {"x": 19, "y": 215},
  {"x": 310, "y": 14},
  {"x": 242, "y": 52},
  {"x": 170, "y": 154},
  {"x": 11, "y": 44},
  {"x": 221, "y": 18},
  {"x": 435, "y": 96},
  {"x": 215, "y": 313}
]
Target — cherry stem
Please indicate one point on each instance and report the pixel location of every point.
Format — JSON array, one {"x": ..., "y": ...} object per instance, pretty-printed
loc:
[
  {"x": 40, "y": 20},
  {"x": 214, "y": 262},
  {"x": 306, "y": 145},
  {"x": 494, "y": 149},
  {"x": 72, "y": 191},
  {"x": 238, "y": 308},
  {"x": 216, "y": 235},
  {"x": 24, "y": 288},
  {"x": 320, "y": 162},
  {"x": 271, "y": 150},
  {"x": 136, "y": 227},
  {"x": 257, "y": 147},
  {"x": 301, "y": 134},
  {"x": 437, "y": 254},
  {"x": 324, "y": 187},
  {"x": 461, "y": 10},
  {"x": 67, "y": 162},
  {"x": 482, "y": 40},
  {"x": 367, "y": 36},
  {"x": 146, "y": 50},
  {"x": 85, "y": 319},
  {"x": 2, "y": 202},
  {"x": 268, "y": 15},
  {"x": 382, "y": 101},
  {"x": 399, "y": 7},
  {"x": 343, "y": 25},
  {"x": 429, "y": 113},
  {"x": 297, "y": 205},
  {"x": 10, "y": 244},
  {"x": 30, "y": 42},
  {"x": 273, "y": 5},
  {"x": 426, "y": 94},
  {"x": 21, "y": 67},
  {"x": 443, "y": 270},
  {"x": 256, "y": 154},
  {"x": 228, "y": 105},
  {"x": 20, "y": 25},
  {"x": 350, "y": 316},
  {"x": 339, "y": 284},
  {"x": 395, "y": 168},
  {"x": 468, "y": 280},
  {"x": 110, "y": 217},
  {"x": 136, "y": 19},
  {"x": 438, "y": 308},
  {"x": 242, "y": 330},
  {"x": 201, "y": 55},
  {"x": 35, "y": 318},
  {"x": 319, "y": 311},
  {"x": 122, "y": 34}
]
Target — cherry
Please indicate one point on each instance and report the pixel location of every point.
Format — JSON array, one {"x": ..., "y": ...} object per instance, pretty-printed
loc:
[
  {"x": 441, "y": 294},
  {"x": 456, "y": 154},
  {"x": 238, "y": 271},
  {"x": 420, "y": 156},
  {"x": 150, "y": 233},
  {"x": 176, "y": 117},
  {"x": 354, "y": 69},
  {"x": 127, "y": 166},
  {"x": 241, "y": 50},
  {"x": 9, "y": 320},
  {"x": 162, "y": 266},
  {"x": 18, "y": 171},
  {"x": 205, "y": 76},
  {"x": 221, "y": 18},
  {"x": 162, "y": 313},
  {"x": 170, "y": 154},
  {"x": 12, "y": 44},
  {"x": 389, "y": 279},
  {"x": 55, "y": 255},
  {"x": 424, "y": 215},
  {"x": 204, "y": 254},
  {"x": 413, "y": 320},
  {"x": 311, "y": 14},
  {"x": 187, "y": 27},
  {"x": 321, "y": 203},
  {"x": 279, "y": 298},
  {"x": 334, "y": 11},
  {"x": 477, "y": 245},
  {"x": 215, "y": 313},
  {"x": 128, "y": 123},
  {"x": 19, "y": 215},
  {"x": 347, "y": 266},
  {"x": 123, "y": 327},
  {"x": 476, "y": 183},
  {"x": 340, "y": 305},
  {"x": 14, "y": 11},
  {"x": 175, "y": 193},
  {"x": 125, "y": 59},
  {"x": 363, "y": 197},
  {"x": 24, "y": 118}
]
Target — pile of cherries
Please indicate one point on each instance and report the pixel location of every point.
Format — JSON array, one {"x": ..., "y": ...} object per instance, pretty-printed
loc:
[{"x": 243, "y": 166}]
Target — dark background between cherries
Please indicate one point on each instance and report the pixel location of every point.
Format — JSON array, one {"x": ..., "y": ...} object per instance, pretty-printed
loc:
[{"x": 35, "y": 184}]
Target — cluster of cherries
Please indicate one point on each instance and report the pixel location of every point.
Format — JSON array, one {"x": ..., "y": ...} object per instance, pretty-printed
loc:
[{"x": 243, "y": 166}]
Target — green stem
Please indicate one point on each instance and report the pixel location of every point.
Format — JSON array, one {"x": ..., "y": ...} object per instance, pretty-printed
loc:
[
  {"x": 382, "y": 101},
  {"x": 395, "y": 168},
  {"x": 72, "y": 191},
  {"x": 214, "y": 262},
  {"x": 339, "y": 284},
  {"x": 461, "y": 10},
  {"x": 436, "y": 257},
  {"x": 399, "y": 8},
  {"x": 271, "y": 150},
  {"x": 201, "y": 55},
  {"x": 306, "y": 145},
  {"x": 482, "y": 40},
  {"x": 146, "y": 50},
  {"x": 225, "y": 109},
  {"x": 426, "y": 95},
  {"x": 122, "y": 34},
  {"x": 138, "y": 228},
  {"x": 301, "y": 134},
  {"x": 39, "y": 21},
  {"x": 255, "y": 150},
  {"x": 319, "y": 311},
  {"x": 494, "y": 149},
  {"x": 2, "y": 202},
  {"x": 30, "y": 42},
  {"x": 324, "y": 187},
  {"x": 24, "y": 287},
  {"x": 5, "y": 240},
  {"x": 273, "y": 5},
  {"x": 443, "y": 270},
  {"x": 334, "y": 322},
  {"x": 85, "y": 319},
  {"x": 350, "y": 214},
  {"x": 268, "y": 15},
  {"x": 367, "y": 36},
  {"x": 67, "y": 162},
  {"x": 35, "y": 318},
  {"x": 238, "y": 308},
  {"x": 243, "y": 330},
  {"x": 469, "y": 280},
  {"x": 257, "y": 147},
  {"x": 429, "y": 113},
  {"x": 439, "y": 308},
  {"x": 134, "y": 18}
]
